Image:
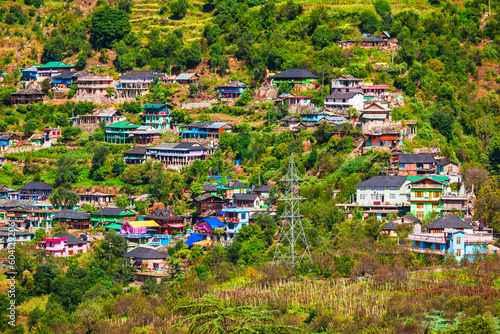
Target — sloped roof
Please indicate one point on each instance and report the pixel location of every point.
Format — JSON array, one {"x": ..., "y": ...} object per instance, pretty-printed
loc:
[
  {"x": 55, "y": 64},
  {"x": 245, "y": 197},
  {"x": 263, "y": 188},
  {"x": 208, "y": 187},
  {"x": 140, "y": 75},
  {"x": 206, "y": 196},
  {"x": 111, "y": 212},
  {"x": 72, "y": 214},
  {"x": 213, "y": 222},
  {"x": 142, "y": 223},
  {"x": 65, "y": 75},
  {"x": 11, "y": 203},
  {"x": 155, "y": 106},
  {"x": 342, "y": 95},
  {"x": 412, "y": 218},
  {"x": 195, "y": 237},
  {"x": 36, "y": 186},
  {"x": 138, "y": 150},
  {"x": 383, "y": 181},
  {"x": 185, "y": 76},
  {"x": 237, "y": 84},
  {"x": 123, "y": 125},
  {"x": 293, "y": 73},
  {"x": 28, "y": 91},
  {"x": 6, "y": 136},
  {"x": 450, "y": 221},
  {"x": 446, "y": 162},
  {"x": 70, "y": 240},
  {"x": 237, "y": 185},
  {"x": 416, "y": 158},
  {"x": 348, "y": 77},
  {"x": 145, "y": 253}
]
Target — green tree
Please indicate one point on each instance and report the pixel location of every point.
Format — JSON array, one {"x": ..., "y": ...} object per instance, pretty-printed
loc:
[
  {"x": 443, "y": 123},
  {"x": 99, "y": 158},
  {"x": 122, "y": 201},
  {"x": 29, "y": 127},
  {"x": 369, "y": 21},
  {"x": 108, "y": 25},
  {"x": 477, "y": 325},
  {"x": 46, "y": 85},
  {"x": 245, "y": 98},
  {"x": 69, "y": 133},
  {"x": 64, "y": 198},
  {"x": 179, "y": 9},
  {"x": 322, "y": 37},
  {"x": 112, "y": 245},
  {"x": 493, "y": 154},
  {"x": 81, "y": 60},
  {"x": 66, "y": 171}
]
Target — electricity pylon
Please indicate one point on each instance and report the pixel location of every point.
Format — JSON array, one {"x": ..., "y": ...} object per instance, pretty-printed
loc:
[{"x": 292, "y": 246}]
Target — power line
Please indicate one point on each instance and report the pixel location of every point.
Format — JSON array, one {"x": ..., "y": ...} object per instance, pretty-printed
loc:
[{"x": 292, "y": 246}]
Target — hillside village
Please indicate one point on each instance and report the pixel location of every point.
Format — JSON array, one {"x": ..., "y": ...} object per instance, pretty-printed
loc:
[{"x": 260, "y": 166}]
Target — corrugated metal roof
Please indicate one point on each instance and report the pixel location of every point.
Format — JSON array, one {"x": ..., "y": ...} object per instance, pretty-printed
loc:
[{"x": 185, "y": 76}]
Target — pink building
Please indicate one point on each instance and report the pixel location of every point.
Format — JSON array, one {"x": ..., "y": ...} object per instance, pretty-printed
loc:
[
  {"x": 51, "y": 134},
  {"x": 64, "y": 245},
  {"x": 294, "y": 101},
  {"x": 138, "y": 227}
]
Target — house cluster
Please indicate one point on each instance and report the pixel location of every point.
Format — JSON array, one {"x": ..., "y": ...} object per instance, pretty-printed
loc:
[
  {"x": 446, "y": 235},
  {"x": 425, "y": 187},
  {"x": 382, "y": 41}
]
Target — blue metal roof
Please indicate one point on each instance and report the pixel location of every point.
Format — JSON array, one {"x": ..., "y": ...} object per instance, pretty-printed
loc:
[
  {"x": 217, "y": 125},
  {"x": 213, "y": 222},
  {"x": 195, "y": 237}
]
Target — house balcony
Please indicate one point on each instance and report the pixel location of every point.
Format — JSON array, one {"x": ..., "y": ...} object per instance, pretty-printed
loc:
[
  {"x": 85, "y": 86},
  {"x": 449, "y": 207},
  {"x": 438, "y": 238},
  {"x": 427, "y": 251},
  {"x": 426, "y": 186}
]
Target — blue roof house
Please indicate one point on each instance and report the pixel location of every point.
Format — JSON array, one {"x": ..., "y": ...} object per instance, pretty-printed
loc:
[
  {"x": 236, "y": 218},
  {"x": 204, "y": 130},
  {"x": 29, "y": 73}
]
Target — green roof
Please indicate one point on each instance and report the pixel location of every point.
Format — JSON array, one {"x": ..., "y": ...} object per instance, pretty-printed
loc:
[
  {"x": 52, "y": 64},
  {"x": 127, "y": 213},
  {"x": 153, "y": 105},
  {"x": 114, "y": 226},
  {"x": 123, "y": 125},
  {"x": 441, "y": 179}
]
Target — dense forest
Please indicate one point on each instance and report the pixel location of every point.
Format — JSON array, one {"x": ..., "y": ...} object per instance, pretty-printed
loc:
[{"x": 447, "y": 68}]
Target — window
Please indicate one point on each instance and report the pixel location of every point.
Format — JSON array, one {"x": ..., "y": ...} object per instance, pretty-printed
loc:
[
  {"x": 362, "y": 196},
  {"x": 392, "y": 188},
  {"x": 392, "y": 196},
  {"x": 243, "y": 216},
  {"x": 458, "y": 252},
  {"x": 420, "y": 205},
  {"x": 435, "y": 206},
  {"x": 459, "y": 240},
  {"x": 419, "y": 194},
  {"x": 420, "y": 215},
  {"x": 436, "y": 194}
]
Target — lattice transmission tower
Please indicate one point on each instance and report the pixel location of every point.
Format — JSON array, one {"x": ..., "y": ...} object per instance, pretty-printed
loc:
[{"x": 292, "y": 246}]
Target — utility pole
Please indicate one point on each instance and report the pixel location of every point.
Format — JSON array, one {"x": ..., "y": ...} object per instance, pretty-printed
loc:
[{"x": 292, "y": 238}]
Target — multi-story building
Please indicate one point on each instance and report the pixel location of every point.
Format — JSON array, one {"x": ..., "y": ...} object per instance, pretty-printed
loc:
[
  {"x": 417, "y": 164},
  {"x": 232, "y": 90},
  {"x": 451, "y": 235},
  {"x": 27, "y": 96},
  {"x": 344, "y": 101},
  {"x": 235, "y": 219},
  {"x": 380, "y": 196},
  {"x": 135, "y": 83},
  {"x": 29, "y": 73},
  {"x": 76, "y": 219},
  {"x": 92, "y": 86},
  {"x": 144, "y": 135},
  {"x": 52, "y": 69},
  {"x": 64, "y": 79},
  {"x": 298, "y": 79},
  {"x": 19, "y": 237},
  {"x": 346, "y": 84},
  {"x": 157, "y": 115},
  {"x": 50, "y": 135},
  {"x": 204, "y": 130},
  {"x": 178, "y": 154},
  {"x": 119, "y": 132},
  {"x": 110, "y": 215},
  {"x": 135, "y": 156},
  {"x": 35, "y": 190},
  {"x": 64, "y": 245},
  {"x": 425, "y": 195}
]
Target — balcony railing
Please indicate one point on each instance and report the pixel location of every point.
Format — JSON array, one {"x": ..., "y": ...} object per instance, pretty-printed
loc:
[
  {"x": 427, "y": 251},
  {"x": 426, "y": 186},
  {"x": 428, "y": 237}
]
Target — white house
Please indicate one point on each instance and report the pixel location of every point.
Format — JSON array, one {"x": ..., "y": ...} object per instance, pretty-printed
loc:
[{"x": 344, "y": 101}]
